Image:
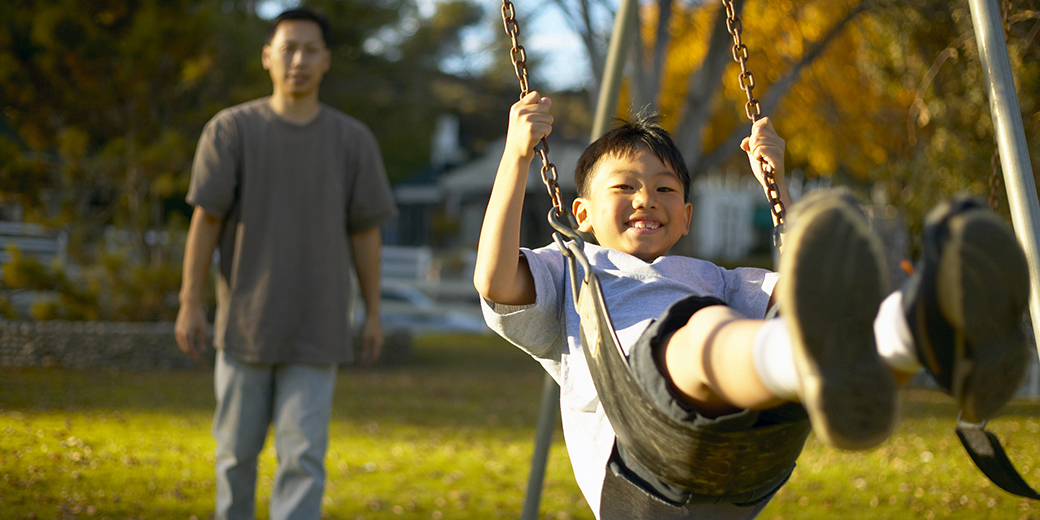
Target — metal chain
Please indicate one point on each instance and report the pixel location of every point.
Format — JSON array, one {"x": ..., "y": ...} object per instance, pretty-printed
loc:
[
  {"x": 746, "y": 81},
  {"x": 518, "y": 56},
  {"x": 994, "y": 179},
  {"x": 994, "y": 176}
]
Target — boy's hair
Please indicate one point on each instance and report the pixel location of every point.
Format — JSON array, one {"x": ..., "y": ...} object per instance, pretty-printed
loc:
[
  {"x": 302, "y": 13},
  {"x": 642, "y": 133}
]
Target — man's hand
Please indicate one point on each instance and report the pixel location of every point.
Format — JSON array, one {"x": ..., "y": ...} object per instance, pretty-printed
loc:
[
  {"x": 765, "y": 144},
  {"x": 190, "y": 330},
  {"x": 529, "y": 122},
  {"x": 371, "y": 341}
]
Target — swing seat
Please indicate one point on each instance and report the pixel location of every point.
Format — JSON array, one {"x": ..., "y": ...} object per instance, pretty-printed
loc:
[{"x": 708, "y": 463}]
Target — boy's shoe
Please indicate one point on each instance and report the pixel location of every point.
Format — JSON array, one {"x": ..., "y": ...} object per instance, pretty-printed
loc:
[
  {"x": 964, "y": 305},
  {"x": 832, "y": 280}
]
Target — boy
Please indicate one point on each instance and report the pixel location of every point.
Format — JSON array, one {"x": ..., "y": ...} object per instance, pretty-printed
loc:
[{"x": 683, "y": 322}]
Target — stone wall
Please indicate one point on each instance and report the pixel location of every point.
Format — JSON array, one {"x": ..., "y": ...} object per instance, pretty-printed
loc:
[
  {"x": 88, "y": 344},
  {"x": 124, "y": 345}
]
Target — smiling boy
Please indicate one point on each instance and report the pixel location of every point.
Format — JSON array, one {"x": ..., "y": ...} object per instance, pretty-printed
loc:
[{"x": 693, "y": 332}]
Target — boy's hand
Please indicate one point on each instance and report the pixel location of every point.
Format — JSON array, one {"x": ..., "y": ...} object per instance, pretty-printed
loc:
[
  {"x": 529, "y": 122},
  {"x": 765, "y": 144}
]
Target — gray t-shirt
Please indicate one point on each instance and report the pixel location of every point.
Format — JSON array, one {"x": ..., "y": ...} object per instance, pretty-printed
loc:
[
  {"x": 636, "y": 293},
  {"x": 289, "y": 195}
]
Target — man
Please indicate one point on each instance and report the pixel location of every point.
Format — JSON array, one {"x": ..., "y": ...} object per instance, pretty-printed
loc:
[{"x": 293, "y": 193}]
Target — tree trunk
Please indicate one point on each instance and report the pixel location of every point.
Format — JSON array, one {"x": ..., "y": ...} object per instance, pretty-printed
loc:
[
  {"x": 700, "y": 162},
  {"x": 647, "y": 82},
  {"x": 581, "y": 22},
  {"x": 702, "y": 86}
]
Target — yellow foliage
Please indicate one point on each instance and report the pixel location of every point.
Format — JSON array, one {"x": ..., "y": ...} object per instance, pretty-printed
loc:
[
  {"x": 194, "y": 69},
  {"x": 836, "y": 114},
  {"x": 688, "y": 47},
  {"x": 72, "y": 143}
]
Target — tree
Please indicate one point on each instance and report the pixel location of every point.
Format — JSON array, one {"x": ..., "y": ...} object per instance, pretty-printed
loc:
[
  {"x": 885, "y": 96},
  {"x": 390, "y": 87},
  {"x": 949, "y": 134},
  {"x": 105, "y": 100}
]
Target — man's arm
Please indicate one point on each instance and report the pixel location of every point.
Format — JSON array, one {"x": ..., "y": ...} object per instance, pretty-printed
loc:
[
  {"x": 366, "y": 246},
  {"x": 190, "y": 328},
  {"x": 764, "y": 143},
  {"x": 499, "y": 274}
]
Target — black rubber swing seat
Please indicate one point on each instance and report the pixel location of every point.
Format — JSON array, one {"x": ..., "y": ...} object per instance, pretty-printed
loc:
[{"x": 712, "y": 463}]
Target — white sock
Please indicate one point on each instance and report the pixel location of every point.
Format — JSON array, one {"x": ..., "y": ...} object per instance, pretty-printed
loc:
[
  {"x": 895, "y": 343},
  {"x": 774, "y": 363}
]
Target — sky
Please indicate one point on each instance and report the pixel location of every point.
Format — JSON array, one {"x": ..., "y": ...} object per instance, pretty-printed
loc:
[{"x": 545, "y": 34}]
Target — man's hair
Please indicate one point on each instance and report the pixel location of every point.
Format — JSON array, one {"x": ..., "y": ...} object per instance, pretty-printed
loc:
[
  {"x": 302, "y": 13},
  {"x": 642, "y": 133}
]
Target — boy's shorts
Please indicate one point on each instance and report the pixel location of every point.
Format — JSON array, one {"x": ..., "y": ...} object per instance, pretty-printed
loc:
[{"x": 651, "y": 378}]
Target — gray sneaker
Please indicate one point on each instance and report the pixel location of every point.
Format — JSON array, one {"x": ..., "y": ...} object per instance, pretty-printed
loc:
[
  {"x": 965, "y": 304},
  {"x": 832, "y": 280}
]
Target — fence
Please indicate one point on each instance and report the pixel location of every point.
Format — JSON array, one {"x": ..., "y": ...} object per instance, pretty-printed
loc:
[{"x": 123, "y": 345}]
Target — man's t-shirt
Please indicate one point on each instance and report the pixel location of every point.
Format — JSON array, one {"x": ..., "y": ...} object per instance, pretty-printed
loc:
[{"x": 289, "y": 196}]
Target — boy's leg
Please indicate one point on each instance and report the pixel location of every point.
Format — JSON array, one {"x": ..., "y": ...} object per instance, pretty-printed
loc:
[
  {"x": 830, "y": 287},
  {"x": 710, "y": 363},
  {"x": 965, "y": 304}
]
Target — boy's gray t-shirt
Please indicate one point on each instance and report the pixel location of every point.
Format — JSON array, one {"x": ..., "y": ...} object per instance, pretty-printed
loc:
[
  {"x": 289, "y": 196},
  {"x": 636, "y": 293}
]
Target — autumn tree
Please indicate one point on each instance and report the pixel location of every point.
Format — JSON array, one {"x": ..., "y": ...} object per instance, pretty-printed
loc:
[
  {"x": 103, "y": 103},
  {"x": 947, "y": 134},
  {"x": 886, "y": 96}
]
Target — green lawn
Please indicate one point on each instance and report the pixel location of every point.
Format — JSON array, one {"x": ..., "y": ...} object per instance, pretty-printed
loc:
[{"x": 449, "y": 436}]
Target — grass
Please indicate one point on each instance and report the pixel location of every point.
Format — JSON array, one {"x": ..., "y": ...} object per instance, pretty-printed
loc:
[{"x": 449, "y": 436}]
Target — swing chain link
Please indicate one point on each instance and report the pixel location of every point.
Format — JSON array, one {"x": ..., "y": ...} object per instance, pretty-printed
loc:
[
  {"x": 994, "y": 179},
  {"x": 746, "y": 80},
  {"x": 517, "y": 53},
  {"x": 518, "y": 56}
]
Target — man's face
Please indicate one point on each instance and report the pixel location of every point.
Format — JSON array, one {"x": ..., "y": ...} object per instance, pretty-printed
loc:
[
  {"x": 634, "y": 205},
  {"x": 296, "y": 58}
]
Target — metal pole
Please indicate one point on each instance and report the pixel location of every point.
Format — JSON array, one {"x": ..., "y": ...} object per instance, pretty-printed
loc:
[
  {"x": 625, "y": 26},
  {"x": 543, "y": 439},
  {"x": 1011, "y": 141}
]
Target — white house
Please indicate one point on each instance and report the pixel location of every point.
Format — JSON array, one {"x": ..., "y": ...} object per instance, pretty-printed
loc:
[{"x": 466, "y": 190}]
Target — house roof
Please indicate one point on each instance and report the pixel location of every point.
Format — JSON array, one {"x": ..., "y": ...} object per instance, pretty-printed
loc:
[{"x": 478, "y": 175}]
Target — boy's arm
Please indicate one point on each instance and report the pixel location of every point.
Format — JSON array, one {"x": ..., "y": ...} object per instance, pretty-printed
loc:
[
  {"x": 764, "y": 143},
  {"x": 500, "y": 275}
]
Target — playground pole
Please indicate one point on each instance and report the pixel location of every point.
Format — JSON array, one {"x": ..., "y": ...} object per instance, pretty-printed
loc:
[
  {"x": 1011, "y": 141},
  {"x": 625, "y": 26}
]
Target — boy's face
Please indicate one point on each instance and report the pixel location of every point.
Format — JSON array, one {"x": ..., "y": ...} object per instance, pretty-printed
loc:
[
  {"x": 296, "y": 58},
  {"x": 634, "y": 205}
]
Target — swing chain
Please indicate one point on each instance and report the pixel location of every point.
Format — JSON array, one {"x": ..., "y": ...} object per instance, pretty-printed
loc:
[
  {"x": 518, "y": 56},
  {"x": 517, "y": 53},
  {"x": 746, "y": 80},
  {"x": 994, "y": 179}
]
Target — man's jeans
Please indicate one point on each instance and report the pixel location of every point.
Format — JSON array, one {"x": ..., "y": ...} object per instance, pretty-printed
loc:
[{"x": 297, "y": 400}]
